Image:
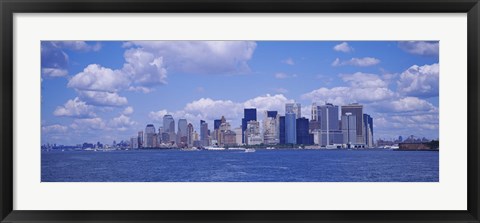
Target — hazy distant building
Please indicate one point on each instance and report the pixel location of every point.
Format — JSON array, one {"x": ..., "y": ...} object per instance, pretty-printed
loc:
[
  {"x": 294, "y": 108},
  {"x": 140, "y": 139},
  {"x": 169, "y": 126},
  {"x": 182, "y": 132},
  {"x": 134, "y": 143},
  {"x": 356, "y": 111},
  {"x": 204, "y": 139},
  {"x": 190, "y": 135},
  {"x": 149, "y": 135},
  {"x": 249, "y": 114}
]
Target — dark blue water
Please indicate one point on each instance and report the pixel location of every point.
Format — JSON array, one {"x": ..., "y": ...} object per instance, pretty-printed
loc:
[{"x": 238, "y": 166}]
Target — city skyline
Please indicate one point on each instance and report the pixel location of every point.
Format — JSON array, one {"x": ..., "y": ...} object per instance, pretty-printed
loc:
[{"x": 105, "y": 91}]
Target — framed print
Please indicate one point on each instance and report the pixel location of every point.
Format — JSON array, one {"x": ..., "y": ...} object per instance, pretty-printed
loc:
[{"x": 239, "y": 111}]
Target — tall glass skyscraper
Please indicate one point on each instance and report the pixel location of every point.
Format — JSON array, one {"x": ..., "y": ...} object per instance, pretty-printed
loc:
[
  {"x": 249, "y": 114},
  {"x": 290, "y": 128},
  {"x": 169, "y": 126}
]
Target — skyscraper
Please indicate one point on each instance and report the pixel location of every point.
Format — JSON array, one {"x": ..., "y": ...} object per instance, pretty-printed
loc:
[
  {"x": 368, "y": 130},
  {"x": 349, "y": 128},
  {"x": 150, "y": 133},
  {"x": 204, "y": 133},
  {"x": 302, "y": 134},
  {"x": 182, "y": 131},
  {"x": 282, "y": 130},
  {"x": 271, "y": 127},
  {"x": 328, "y": 115},
  {"x": 252, "y": 133},
  {"x": 140, "y": 139},
  {"x": 290, "y": 128},
  {"x": 357, "y": 111},
  {"x": 249, "y": 114},
  {"x": 314, "y": 116},
  {"x": 169, "y": 126},
  {"x": 294, "y": 108},
  {"x": 189, "y": 134},
  {"x": 216, "y": 123}
]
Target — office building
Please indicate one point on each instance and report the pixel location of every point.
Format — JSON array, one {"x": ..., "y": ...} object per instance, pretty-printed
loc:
[
  {"x": 368, "y": 130},
  {"x": 349, "y": 128},
  {"x": 189, "y": 135},
  {"x": 252, "y": 133},
  {"x": 249, "y": 114},
  {"x": 182, "y": 132},
  {"x": 169, "y": 126},
  {"x": 134, "y": 143},
  {"x": 281, "y": 138},
  {"x": 149, "y": 134},
  {"x": 356, "y": 111},
  {"x": 204, "y": 137},
  {"x": 303, "y": 137},
  {"x": 140, "y": 139},
  {"x": 290, "y": 128},
  {"x": 238, "y": 135}
]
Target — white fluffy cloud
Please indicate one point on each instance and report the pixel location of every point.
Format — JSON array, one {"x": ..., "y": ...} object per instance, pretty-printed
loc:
[
  {"x": 121, "y": 123},
  {"x": 158, "y": 115},
  {"x": 144, "y": 68},
  {"x": 420, "y": 81},
  {"x": 89, "y": 124},
  {"x": 54, "y": 129},
  {"x": 420, "y": 47},
  {"x": 77, "y": 45},
  {"x": 128, "y": 110},
  {"x": 75, "y": 108},
  {"x": 102, "y": 98},
  {"x": 97, "y": 78},
  {"x": 409, "y": 104},
  {"x": 54, "y": 72},
  {"x": 359, "y": 62},
  {"x": 364, "y": 80},
  {"x": 205, "y": 57},
  {"x": 213, "y": 109},
  {"x": 346, "y": 95},
  {"x": 343, "y": 47},
  {"x": 268, "y": 102}
]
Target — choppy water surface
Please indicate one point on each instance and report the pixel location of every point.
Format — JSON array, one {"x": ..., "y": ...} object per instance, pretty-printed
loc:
[{"x": 238, "y": 166}]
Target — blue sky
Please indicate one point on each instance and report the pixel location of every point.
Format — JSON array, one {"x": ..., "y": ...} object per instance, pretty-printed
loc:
[{"x": 110, "y": 90}]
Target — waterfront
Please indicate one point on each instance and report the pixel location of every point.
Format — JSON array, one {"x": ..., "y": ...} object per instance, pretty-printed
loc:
[{"x": 238, "y": 166}]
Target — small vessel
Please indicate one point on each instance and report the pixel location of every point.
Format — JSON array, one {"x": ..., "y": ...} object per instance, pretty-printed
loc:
[
  {"x": 250, "y": 150},
  {"x": 214, "y": 148},
  {"x": 270, "y": 148}
]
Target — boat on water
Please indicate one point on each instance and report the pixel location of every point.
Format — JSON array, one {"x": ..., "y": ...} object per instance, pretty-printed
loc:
[
  {"x": 270, "y": 148},
  {"x": 214, "y": 148},
  {"x": 236, "y": 148},
  {"x": 250, "y": 150}
]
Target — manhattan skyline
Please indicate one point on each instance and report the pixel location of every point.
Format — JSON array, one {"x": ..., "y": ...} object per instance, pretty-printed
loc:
[{"x": 108, "y": 90}]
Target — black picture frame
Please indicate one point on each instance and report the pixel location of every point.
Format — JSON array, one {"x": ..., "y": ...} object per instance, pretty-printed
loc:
[{"x": 9, "y": 7}]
